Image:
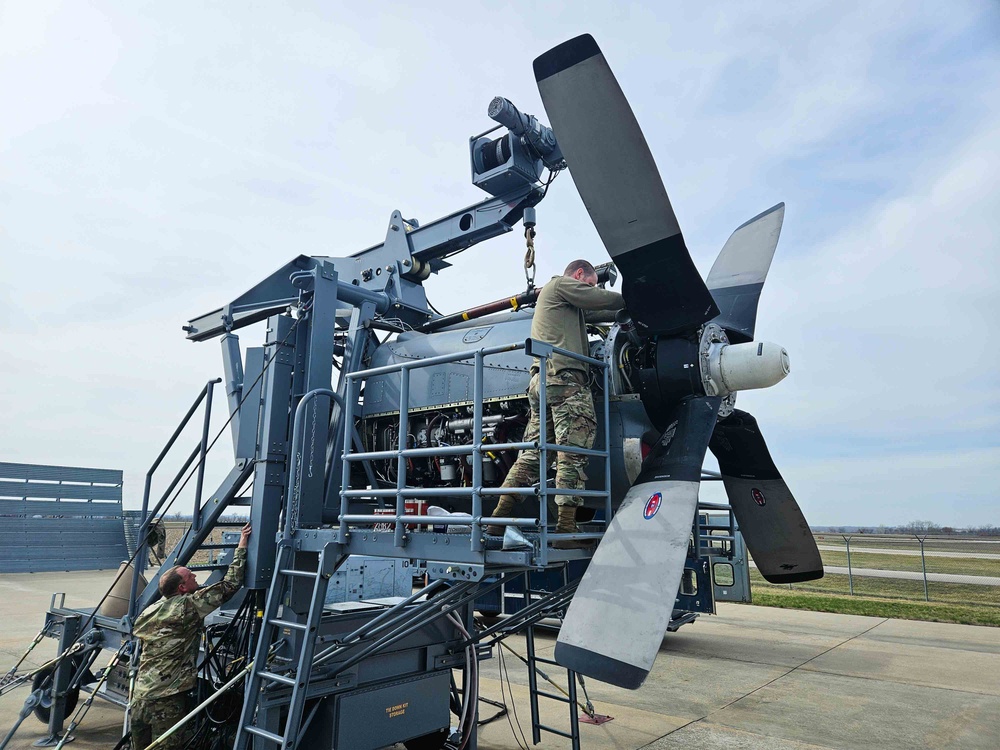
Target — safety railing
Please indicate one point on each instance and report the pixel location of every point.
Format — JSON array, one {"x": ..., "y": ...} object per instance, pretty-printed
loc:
[
  {"x": 198, "y": 453},
  {"x": 476, "y": 491},
  {"x": 707, "y": 532}
]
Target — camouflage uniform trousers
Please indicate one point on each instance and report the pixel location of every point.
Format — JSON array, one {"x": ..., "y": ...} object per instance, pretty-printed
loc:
[
  {"x": 157, "y": 543},
  {"x": 151, "y": 718},
  {"x": 570, "y": 420}
]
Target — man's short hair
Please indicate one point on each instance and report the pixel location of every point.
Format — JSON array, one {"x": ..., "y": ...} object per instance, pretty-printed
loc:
[
  {"x": 576, "y": 265},
  {"x": 171, "y": 581}
]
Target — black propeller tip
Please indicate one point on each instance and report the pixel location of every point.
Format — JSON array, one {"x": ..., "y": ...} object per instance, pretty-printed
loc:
[
  {"x": 566, "y": 55},
  {"x": 808, "y": 575},
  {"x": 600, "y": 667}
]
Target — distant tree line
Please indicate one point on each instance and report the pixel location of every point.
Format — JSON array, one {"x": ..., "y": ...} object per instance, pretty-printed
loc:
[
  {"x": 916, "y": 527},
  {"x": 180, "y": 516}
]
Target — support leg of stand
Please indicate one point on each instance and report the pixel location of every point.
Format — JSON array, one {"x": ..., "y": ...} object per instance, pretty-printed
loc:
[{"x": 61, "y": 677}]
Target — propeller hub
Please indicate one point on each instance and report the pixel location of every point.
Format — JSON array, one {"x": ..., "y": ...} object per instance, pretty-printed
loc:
[{"x": 713, "y": 340}]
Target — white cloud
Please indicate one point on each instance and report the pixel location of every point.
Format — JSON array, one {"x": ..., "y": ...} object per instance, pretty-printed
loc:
[{"x": 893, "y": 314}]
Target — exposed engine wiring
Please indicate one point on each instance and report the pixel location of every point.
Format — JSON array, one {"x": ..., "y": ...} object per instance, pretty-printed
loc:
[
  {"x": 397, "y": 324},
  {"x": 624, "y": 363}
]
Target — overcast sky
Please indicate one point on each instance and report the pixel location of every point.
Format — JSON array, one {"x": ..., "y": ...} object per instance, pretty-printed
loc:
[{"x": 158, "y": 159}]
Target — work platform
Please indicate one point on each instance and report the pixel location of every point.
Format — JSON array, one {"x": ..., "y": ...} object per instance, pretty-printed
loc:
[
  {"x": 749, "y": 678},
  {"x": 309, "y": 670}
]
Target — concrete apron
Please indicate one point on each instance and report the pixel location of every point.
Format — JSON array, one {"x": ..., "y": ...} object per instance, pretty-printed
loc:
[{"x": 749, "y": 678}]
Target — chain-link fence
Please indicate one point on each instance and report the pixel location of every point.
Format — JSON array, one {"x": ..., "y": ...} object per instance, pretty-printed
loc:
[{"x": 944, "y": 569}]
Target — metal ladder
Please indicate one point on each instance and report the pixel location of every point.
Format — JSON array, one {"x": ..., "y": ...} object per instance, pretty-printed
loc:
[
  {"x": 573, "y": 735},
  {"x": 298, "y": 678}
]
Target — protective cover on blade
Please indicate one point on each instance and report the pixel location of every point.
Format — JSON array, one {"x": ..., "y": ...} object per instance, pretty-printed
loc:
[
  {"x": 621, "y": 609},
  {"x": 775, "y": 531},
  {"x": 617, "y": 179},
  {"x": 738, "y": 274}
]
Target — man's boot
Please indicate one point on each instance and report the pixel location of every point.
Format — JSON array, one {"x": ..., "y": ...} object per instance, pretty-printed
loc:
[
  {"x": 504, "y": 509},
  {"x": 567, "y": 525}
]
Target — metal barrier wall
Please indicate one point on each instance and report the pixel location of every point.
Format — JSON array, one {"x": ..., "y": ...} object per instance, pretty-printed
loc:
[{"x": 56, "y": 518}]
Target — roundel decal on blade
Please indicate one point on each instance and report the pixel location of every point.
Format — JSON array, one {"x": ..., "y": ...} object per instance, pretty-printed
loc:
[
  {"x": 652, "y": 505},
  {"x": 758, "y": 497}
]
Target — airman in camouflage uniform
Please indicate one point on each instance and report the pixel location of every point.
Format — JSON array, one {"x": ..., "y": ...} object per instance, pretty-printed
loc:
[
  {"x": 565, "y": 305},
  {"x": 170, "y": 631},
  {"x": 156, "y": 541}
]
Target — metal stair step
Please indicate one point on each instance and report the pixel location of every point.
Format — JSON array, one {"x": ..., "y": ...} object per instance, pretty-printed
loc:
[
  {"x": 299, "y": 573},
  {"x": 277, "y": 678},
  {"x": 288, "y": 624},
  {"x": 543, "y": 660},
  {"x": 265, "y": 734},
  {"x": 560, "y": 732},
  {"x": 553, "y": 696}
]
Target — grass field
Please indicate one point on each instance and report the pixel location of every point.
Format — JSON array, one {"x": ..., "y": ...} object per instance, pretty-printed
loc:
[
  {"x": 884, "y": 597},
  {"x": 891, "y": 588},
  {"x": 949, "y": 602},
  {"x": 958, "y": 565},
  {"x": 774, "y": 596}
]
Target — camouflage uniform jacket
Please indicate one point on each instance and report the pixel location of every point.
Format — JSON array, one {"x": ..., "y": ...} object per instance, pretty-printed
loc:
[
  {"x": 170, "y": 631},
  {"x": 560, "y": 319}
]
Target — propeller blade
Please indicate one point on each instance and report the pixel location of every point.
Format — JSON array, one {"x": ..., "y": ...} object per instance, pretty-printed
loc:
[
  {"x": 738, "y": 274},
  {"x": 621, "y": 610},
  {"x": 617, "y": 179},
  {"x": 773, "y": 527}
]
